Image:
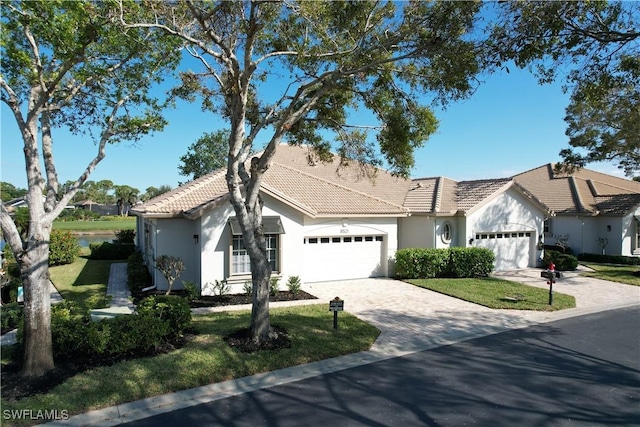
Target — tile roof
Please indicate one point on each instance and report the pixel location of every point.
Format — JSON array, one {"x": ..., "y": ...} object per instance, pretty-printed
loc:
[
  {"x": 328, "y": 189},
  {"x": 584, "y": 192},
  {"x": 316, "y": 188},
  {"x": 445, "y": 196}
]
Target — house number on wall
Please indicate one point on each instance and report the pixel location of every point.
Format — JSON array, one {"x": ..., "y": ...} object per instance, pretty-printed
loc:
[{"x": 344, "y": 231}]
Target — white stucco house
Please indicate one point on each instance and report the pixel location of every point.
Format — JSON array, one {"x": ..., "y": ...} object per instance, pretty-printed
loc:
[
  {"x": 590, "y": 209},
  {"x": 324, "y": 222}
]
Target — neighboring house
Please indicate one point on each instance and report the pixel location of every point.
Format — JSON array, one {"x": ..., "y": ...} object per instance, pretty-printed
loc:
[
  {"x": 324, "y": 222},
  {"x": 21, "y": 202},
  {"x": 592, "y": 212},
  {"x": 98, "y": 208}
]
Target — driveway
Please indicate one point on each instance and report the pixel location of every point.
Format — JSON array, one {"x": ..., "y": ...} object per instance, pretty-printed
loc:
[{"x": 411, "y": 318}]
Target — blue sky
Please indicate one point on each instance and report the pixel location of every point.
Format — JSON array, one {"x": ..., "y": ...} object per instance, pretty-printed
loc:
[{"x": 510, "y": 125}]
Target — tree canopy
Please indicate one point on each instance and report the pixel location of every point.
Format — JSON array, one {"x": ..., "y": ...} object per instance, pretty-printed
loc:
[
  {"x": 205, "y": 155},
  {"x": 597, "y": 45},
  {"x": 308, "y": 73},
  {"x": 70, "y": 65}
]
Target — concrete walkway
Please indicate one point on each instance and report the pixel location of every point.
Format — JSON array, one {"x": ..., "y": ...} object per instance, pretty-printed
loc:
[{"x": 410, "y": 319}]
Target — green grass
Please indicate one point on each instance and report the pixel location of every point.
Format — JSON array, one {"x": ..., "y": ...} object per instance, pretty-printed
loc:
[
  {"x": 207, "y": 359},
  {"x": 497, "y": 293},
  {"x": 614, "y": 273},
  {"x": 82, "y": 281},
  {"x": 124, "y": 223}
]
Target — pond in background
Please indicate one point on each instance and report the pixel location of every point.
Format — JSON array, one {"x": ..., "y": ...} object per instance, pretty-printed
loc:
[{"x": 86, "y": 239}]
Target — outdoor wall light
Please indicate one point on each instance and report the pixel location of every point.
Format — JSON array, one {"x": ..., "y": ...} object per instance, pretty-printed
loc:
[
  {"x": 195, "y": 239},
  {"x": 608, "y": 228}
]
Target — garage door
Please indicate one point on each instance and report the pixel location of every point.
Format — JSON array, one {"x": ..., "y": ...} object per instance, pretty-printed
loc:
[
  {"x": 512, "y": 249},
  {"x": 342, "y": 258}
]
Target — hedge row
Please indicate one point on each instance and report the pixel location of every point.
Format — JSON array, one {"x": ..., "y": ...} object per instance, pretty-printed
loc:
[
  {"x": 158, "y": 320},
  {"x": 422, "y": 263},
  {"x": 138, "y": 276},
  {"x": 106, "y": 250},
  {"x": 562, "y": 261},
  {"x": 609, "y": 259}
]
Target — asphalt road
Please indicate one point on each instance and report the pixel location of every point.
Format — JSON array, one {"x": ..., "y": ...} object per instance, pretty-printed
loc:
[{"x": 576, "y": 372}]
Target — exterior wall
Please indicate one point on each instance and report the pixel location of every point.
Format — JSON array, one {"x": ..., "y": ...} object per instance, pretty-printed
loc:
[
  {"x": 511, "y": 212},
  {"x": 631, "y": 236},
  {"x": 175, "y": 237},
  {"x": 215, "y": 250},
  {"x": 416, "y": 232}
]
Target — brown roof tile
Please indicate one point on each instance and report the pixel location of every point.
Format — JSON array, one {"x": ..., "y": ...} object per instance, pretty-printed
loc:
[
  {"x": 318, "y": 189},
  {"x": 584, "y": 192}
]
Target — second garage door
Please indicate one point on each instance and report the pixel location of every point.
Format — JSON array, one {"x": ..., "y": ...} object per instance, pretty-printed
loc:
[
  {"x": 342, "y": 258},
  {"x": 512, "y": 249}
]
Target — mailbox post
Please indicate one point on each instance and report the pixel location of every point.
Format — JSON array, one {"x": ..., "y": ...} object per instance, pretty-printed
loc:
[
  {"x": 336, "y": 305},
  {"x": 550, "y": 274}
]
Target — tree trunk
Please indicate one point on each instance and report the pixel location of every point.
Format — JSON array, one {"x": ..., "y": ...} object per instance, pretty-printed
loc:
[
  {"x": 260, "y": 319},
  {"x": 34, "y": 269}
]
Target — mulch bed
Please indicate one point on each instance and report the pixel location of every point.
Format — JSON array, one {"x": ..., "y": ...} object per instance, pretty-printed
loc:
[
  {"x": 231, "y": 299},
  {"x": 15, "y": 387}
]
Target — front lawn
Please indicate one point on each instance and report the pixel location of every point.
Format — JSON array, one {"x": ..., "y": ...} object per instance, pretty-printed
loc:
[
  {"x": 84, "y": 281},
  {"x": 614, "y": 273},
  {"x": 497, "y": 293},
  {"x": 95, "y": 226},
  {"x": 206, "y": 359}
]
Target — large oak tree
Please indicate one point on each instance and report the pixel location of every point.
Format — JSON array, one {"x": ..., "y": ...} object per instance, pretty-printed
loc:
[
  {"x": 70, "y": 64},
  {"x": 304, "y": 73},
  {"x": 595, "y": 47}
]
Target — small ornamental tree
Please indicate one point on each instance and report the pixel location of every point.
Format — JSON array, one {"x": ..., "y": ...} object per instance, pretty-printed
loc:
[{"x": 171, "y": 268}]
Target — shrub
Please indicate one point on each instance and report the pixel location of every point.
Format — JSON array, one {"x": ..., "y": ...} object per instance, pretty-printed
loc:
[
  {"x": 138, "y": 276},
  {"x": 190, "y": 290},
  {"x": 10, "y": 316},
  {"x": 248, "y": 287},
  {"x": 557, "y": 248},
  {"x": 563, "y": 262},
  {"x": 470, "y": 262},
  {"x": 63, "y": 248},
  {"x": 274, "y": 286},
  {"x": 294, "y": 284},
  {"x": 106, "y": 250},
  {"x": 119, "y": 336},
  {"x": 421, "y": 263},
  {"x": 125, "y": 236},
  {"x": 170, "y": 308},
  {"x": 219, "y": 287},
  {"x": 609, "y": 259}
]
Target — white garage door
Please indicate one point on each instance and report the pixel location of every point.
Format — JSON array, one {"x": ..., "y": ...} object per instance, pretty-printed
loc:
[
  {"x": 512, "y": 249},
  {"x": 342, "y": 258}
]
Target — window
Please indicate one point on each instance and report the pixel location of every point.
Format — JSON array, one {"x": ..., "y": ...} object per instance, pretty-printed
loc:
[
  {"x": 368, "y": 238},
  {"x": 335, "y": 239},
  {"x": 347, "y": 240},
  {"x": 240, "y": 262},
  {"x": 447, "y": 232}
]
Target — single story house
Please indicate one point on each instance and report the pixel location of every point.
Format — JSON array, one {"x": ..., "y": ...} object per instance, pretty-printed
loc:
[
  {"x": 329, "y": 222},
  {"x": 592, "y": 212}
]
